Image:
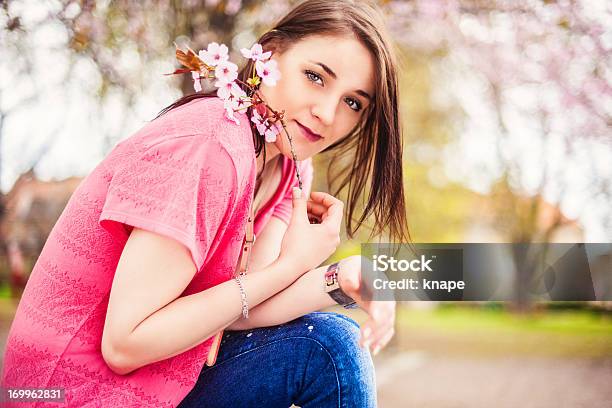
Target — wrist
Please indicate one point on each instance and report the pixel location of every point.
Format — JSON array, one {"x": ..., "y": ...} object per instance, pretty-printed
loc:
[
  {"x": 333, "y": 287},
  {"x": 343, "y": 271}
]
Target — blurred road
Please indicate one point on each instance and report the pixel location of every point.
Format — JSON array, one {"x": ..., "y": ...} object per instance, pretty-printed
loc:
[
  {"x": 434, "y": 370},
  {"x": 418, "y": 379}
]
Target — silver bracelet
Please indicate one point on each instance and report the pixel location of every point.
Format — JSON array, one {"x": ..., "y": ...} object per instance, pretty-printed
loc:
[{"x": 243, "y": 298}]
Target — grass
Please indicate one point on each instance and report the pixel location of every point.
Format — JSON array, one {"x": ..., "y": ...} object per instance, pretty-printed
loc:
[
  {"x": 467, "y": 319},
  {"x": 487, "y": 332},
  {"x": 5, "y": 291}
]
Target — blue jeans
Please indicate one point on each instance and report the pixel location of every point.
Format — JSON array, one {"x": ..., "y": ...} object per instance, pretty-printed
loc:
[{"x": 312, "y": 361}]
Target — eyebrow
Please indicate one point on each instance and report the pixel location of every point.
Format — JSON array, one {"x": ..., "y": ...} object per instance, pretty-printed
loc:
[{"x": 333, "y": 75}]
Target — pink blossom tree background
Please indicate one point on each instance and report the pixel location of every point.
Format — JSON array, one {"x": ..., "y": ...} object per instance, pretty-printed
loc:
[{"x": 507, "y": 100}]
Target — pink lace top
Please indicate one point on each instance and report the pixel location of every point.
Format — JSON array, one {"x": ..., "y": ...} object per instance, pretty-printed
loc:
[{"x": 188, "y": 175}]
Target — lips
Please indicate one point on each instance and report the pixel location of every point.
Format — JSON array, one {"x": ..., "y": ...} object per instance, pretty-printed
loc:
[{"x": 309, "y": 134}]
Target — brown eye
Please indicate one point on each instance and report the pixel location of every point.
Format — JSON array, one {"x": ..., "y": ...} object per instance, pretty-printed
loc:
[{"x": 356, "y": 105}]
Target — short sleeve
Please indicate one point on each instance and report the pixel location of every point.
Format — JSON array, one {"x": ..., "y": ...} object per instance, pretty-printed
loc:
[
  {"x": 183, "y": 188},
  {"x": 284, "y": 208}
]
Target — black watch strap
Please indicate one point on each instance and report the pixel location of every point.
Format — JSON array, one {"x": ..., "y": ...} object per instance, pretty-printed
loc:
[
  {"x": 343, "y": 299},
  {"x": 337, "y": 294}
]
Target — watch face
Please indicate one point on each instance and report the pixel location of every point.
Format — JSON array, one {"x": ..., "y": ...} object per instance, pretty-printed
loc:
[
  {"x": 330, "y": 288},
  {"x": 331, "y": 282},
  {"x": 331, "y": 278}
]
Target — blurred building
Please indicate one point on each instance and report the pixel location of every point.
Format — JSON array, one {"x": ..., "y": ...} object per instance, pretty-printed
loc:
[
  {"x": 533, "y": 217},
  {"x": 31, "y": 209}
]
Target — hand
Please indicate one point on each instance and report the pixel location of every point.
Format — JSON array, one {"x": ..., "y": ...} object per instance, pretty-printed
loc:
[
  {"x": 305, "y": 246},
  {"x": 378, "y": 329},
  {"x": 316, "y": 210}
]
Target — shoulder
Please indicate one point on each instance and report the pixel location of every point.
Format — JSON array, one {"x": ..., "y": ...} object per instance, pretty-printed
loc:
[
  {"x": 205, "y": 118},
  {"x": 197, "y": 131}
]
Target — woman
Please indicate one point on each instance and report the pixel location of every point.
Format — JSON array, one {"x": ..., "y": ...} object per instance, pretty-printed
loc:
[{"x": 134, "y": 281}]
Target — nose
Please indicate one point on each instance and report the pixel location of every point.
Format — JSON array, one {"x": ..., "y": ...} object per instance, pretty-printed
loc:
[{"x": 325, "y": 110}]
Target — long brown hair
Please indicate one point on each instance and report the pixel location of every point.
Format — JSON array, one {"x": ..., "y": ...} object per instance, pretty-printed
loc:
[{"x": 376, "y": 142}]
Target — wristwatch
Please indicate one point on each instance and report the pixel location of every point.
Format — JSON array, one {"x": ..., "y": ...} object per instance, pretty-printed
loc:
[{"x": 332, "y": 287}]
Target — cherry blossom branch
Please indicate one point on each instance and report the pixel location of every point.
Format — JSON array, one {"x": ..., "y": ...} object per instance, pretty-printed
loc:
[{"x": 215, "y": 61}]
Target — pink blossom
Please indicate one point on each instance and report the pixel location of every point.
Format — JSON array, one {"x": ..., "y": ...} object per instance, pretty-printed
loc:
[
  {"x": 268, "y": 71},
  {"x": 226, "y": 71},
  {"x": 196, "y": 81},
  {"x": 240, "y": 98},
  {"x": 234, "y": 97},
  {"x": 270, "y": 134},
  {"x": 229, "y": 106},
  {"x": 264, "y": 127},
  {"x": 229, "y": 113},
  {"x": 237, "y": 99},
  {"x": 256, "y": 53},
  {"x": 227, "y": 89},
  {"x": 214, "y": 55},
  {"x": 258, "y": 121}
]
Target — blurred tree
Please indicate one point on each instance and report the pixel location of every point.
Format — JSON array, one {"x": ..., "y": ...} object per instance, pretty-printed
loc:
[
  {"x": 470, "y": 68},
  {"x": 554, "y": 50},
  {"x": 125, "y": 46},
  {"x": 542, "y": 73}
]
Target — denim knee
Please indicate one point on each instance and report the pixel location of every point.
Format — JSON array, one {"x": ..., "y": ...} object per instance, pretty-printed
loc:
[
  {"x": 338, "y": 336},
  {"x": 334, "y": 331}
]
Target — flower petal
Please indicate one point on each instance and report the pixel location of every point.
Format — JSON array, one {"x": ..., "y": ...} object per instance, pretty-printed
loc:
[{"x": 246, "y": 53}]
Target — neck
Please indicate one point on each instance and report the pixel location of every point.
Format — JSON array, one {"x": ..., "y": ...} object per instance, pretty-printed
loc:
[{"x": 272, "y": 153}]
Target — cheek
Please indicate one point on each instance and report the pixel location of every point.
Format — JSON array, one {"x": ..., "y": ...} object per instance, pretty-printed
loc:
[
  {"x": 272, "y": 96},
  {"x": 282, "y": 144},
  {"x": 344, "y": 126},
  {"x": 293, "y": 93},
  {"x": 346, "y": 122}
]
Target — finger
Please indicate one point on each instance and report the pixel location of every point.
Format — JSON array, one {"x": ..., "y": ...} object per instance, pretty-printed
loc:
[
  {"x": 333, "y": 217},
  {"x": 333, "y": 205},
  {"x": 323, "y": 198},
  {"x": 313, "y": 219},
  {"x": 366, "y": 330},
  {"x": 381, "y": 316},
  {"x": 369, "y": 332},
  {"x": 299, "y": 205},
  {"x": 316, "y": 208},
  {"x": 384, "y": 340},
  {"x": 378, "y": 335}
]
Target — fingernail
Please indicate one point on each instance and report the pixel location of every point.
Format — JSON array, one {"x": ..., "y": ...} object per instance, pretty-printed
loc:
[
  {"x": 297, "y": 193},
  {"x": 376, "y": 350},
  {"x": 366, "y": 332}
]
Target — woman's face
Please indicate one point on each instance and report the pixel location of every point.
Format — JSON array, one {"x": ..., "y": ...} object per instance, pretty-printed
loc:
[{"x": 326, "y": 85}]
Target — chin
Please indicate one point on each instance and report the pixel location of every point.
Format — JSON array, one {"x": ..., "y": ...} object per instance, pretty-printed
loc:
[{"x": 304, "y": 149}]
